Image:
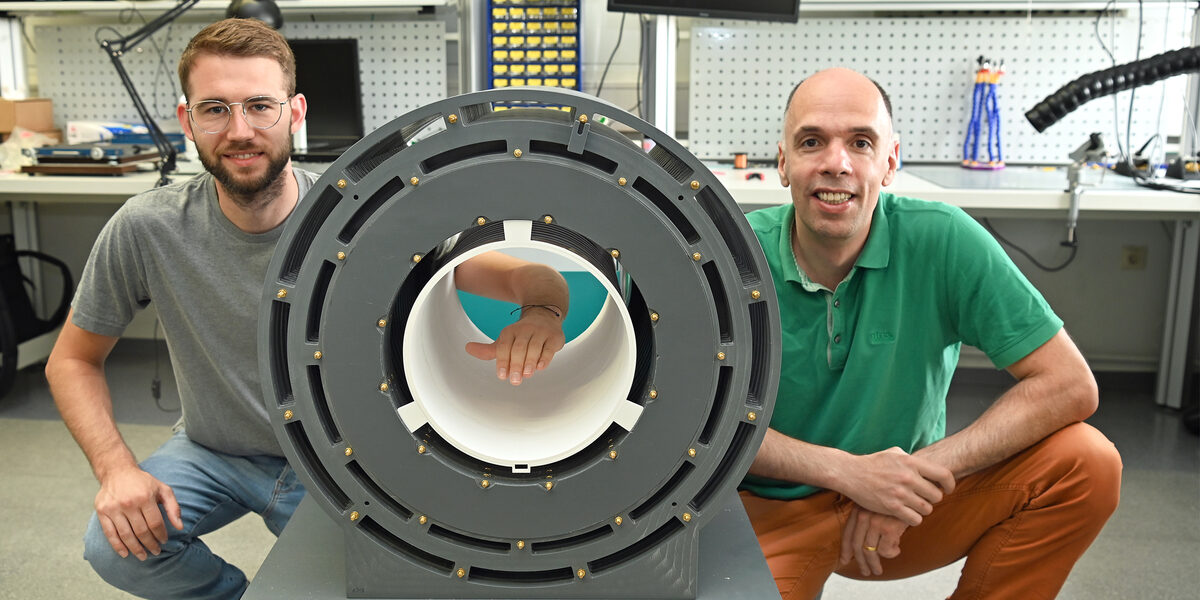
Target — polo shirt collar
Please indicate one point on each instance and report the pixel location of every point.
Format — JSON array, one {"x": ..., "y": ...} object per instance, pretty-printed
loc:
[{"x": 875, "y": 254}]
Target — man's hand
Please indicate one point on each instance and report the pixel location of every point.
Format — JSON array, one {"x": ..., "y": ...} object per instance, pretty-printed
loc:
[
  {"x": 868, "y": 537},
  {"x": 895, "y": 483},
  {"x": 525, "y": 346},
  {"x": 127, "y": 506}
]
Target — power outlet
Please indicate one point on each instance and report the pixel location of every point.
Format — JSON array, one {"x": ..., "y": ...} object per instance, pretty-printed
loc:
[{"x": 1133, "y": 258}]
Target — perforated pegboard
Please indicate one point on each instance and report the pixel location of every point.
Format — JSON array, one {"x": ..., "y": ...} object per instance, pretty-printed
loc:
[
  {"x": 402, "y": 66},
  {"x": 741, "y": 73}
]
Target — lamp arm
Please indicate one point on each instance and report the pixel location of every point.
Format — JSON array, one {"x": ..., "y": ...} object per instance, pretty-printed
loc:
[{"x": 115, "y": 49}]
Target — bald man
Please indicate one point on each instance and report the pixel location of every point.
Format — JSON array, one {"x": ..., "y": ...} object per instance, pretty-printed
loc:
[{"x": 877, "y": 294}]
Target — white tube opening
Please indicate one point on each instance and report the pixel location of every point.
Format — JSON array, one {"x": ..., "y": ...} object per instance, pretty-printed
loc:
[{"x": 550, "y": 416}]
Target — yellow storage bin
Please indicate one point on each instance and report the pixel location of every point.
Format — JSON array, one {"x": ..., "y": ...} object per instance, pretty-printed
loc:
[
  {"x": 516, "y": 55},
  {"x": 550, "y": 55},
  {"x": 533, "y": 69},
  {"x": 533, "y": 81},
  {"x": 499, "y": 55},
  {"x": 500, "y": 82},
  {"x": 569, "y": 83},
  {"x": 568, "y": 69},
  {"x": 551, "y": 69},
  {"x": 533, "y": 41},
  {"x": 533, "y": 55},
  {"x": 499, "y": 69}
]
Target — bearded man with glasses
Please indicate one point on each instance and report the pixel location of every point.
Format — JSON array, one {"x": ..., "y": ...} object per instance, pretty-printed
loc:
[{"x": 199, "y": 249}]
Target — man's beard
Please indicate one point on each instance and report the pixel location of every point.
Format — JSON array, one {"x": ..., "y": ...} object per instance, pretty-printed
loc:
[{"x": 249, "y": 193}]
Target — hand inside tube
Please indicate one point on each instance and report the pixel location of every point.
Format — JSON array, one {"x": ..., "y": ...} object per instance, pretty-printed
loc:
[
  {"x": 528, "y": 345},
  {"x": 524, "y": 347}
]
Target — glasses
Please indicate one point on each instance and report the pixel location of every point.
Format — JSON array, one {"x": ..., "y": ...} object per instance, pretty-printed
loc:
[{"x": 260, "y": 112}]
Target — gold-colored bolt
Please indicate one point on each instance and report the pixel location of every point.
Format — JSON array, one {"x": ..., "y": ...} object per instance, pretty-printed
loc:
[
  {"x": 615, "y": 253},
  {"x": 317, "y": 355},
  {"x": 653, "y": 393},
  {"x": 282, "y": 293},
  {"x": 480, "y": 221},
  {"x": 612, "y": 454},
  {"x": 622, "y": 181},
  {"x": 383, "y": 387},
  {"x": 381, "y": 322},
  {"x": 414, "y": 181},
  {"x": 341, "y": 184},
  {"x": 461, "y": 572},
  {"x": 421, "y": 449},
  {"x": 547, "y": 219},
  {"x": 582, "y": 119},
  {"x": 549, "y": 485},
  {"x": 517, "y": 153},
  {"x": 484, "y": 483},
  {"x": 692, "y": 452},
  {"x": 687, "y": 517},
  {"x": 341, "y": 256},
  {"x": 349, "y": 450},
  {"x": 654, "y": 317},
  {"x": 453, "y": 118},
  {"x": 755, "y": 294},
  {"x": 696, "y": 256},
  {"x": 520, "y": 544},
  {"x": 416, "y": 258},
  {"x": 422, "y": 519},
  {"x": 751, "y": 415},
  {"x": 618, "y": 520},
  {"x": 695, "y": 184},
  {"x": 354, "y": 515},
  {"x": 580, "y": 573},
  {"x": 720, "y": 356},
  {"x": 288, "y": 414}
]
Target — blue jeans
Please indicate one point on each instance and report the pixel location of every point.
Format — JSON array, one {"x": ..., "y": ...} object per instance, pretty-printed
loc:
[{"x": 213, "y": 489}]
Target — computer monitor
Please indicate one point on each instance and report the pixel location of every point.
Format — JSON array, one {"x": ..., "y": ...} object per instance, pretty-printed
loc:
[{"x": 328, "y": 76}]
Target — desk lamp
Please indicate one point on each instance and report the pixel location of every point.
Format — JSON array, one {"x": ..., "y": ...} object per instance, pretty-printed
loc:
[{"x": 264, "y": 10}]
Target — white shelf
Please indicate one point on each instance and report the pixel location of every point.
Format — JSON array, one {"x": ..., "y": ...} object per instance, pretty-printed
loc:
[{"x": 111, "y": 6}]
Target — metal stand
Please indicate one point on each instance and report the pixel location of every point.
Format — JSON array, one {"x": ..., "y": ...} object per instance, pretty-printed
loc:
[{"x": 309, "y": 560}]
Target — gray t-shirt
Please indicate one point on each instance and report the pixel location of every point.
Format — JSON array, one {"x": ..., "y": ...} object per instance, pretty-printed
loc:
[{"x": 173, "y": 246}]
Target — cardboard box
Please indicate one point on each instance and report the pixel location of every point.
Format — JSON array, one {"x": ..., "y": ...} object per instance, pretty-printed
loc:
[{"x": 34, "y": 113}]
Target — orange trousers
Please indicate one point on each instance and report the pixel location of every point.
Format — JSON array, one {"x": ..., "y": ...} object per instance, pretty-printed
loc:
[{"x": 1021, "y": 524}]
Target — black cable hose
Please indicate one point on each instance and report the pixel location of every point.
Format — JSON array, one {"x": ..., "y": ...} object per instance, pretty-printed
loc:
[{"x": 1110, "y": 81}]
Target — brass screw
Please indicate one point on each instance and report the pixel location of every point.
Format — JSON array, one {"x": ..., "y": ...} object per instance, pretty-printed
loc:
[
  {"x": 416, "y": 258},
  {"x": 453, "y": 118},
  {"x": 461, "y": 572},
  {"x": 696, "y": 256},
  {"x": 687, "y": 517},
  {"x": 381, "y": 322},
  {"x": 653, "y": 393},
  {"x": 520, "y": 544},
  {"x": 317, "y": 355},
  {"x": 422, "y": 519},
  {"x": 341, "y": 256},
  {"x": 517, "y": 153},
  {"x": 354, "y": 515},
  {"x": 720, "y": 356},
  {"x": 755, "y": 294},
  {"x": 349, "y": 450},
  {"x": 341, "y": 184},
  {"x": 618, "y": 520},
  {"x": 622, "y": 181},
  {"x": 420, "y": 449},
  {"x": 549, "y": 485},
  {"x": 695, "y": 184},
  {"x": 480, "y": 221},
  {"x": 654, "y": 317},
  {"x": 282, "y": 293},
  {"x": 692, "y": 452},
  {"x": 751, "y": 415},
  {"x": 582, "y": 119},
  {"x": 580, "y": 573},
  {"x": 484, "y": 483},
  {"x": 612, "y": 454},
  {"x": 383, "y": 387},
  {"x": 547, "y": 219},
  {"x": 615, "y": 253},
  {"x": 287, "y": 414}
]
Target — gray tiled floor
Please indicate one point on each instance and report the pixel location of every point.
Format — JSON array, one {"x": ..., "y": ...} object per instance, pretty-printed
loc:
[{"x": 1149, "y": 550}]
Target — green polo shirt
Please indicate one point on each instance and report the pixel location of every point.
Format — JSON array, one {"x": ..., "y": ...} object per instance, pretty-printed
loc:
[{"x": 866, "y": 366}]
